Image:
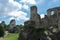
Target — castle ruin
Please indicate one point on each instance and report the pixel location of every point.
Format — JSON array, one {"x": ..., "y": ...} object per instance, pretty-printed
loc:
[
  {"x": 36, "y": 24},
  {"x": 49, "y": 19}
]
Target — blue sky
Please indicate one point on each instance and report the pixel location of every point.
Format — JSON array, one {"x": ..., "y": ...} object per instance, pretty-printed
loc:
[{"x": 20, "y": 9}]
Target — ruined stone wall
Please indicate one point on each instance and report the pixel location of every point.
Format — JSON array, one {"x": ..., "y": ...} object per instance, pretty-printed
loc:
[
  {"x": 35, "y": 27},
  {"x": 55, "y": 18},
  {"x": 59, "y": 20},
  {"x": 44, "y": 22}
]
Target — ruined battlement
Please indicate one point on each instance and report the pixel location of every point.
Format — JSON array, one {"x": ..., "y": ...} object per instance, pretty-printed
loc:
[
  {"x": 56, "y": 10},
  {"x": 48, "y": 21}
]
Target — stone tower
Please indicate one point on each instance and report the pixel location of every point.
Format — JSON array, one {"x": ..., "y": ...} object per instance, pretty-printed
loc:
[
  {"x": 33, "y": 12},
  {"x": 34, "y": 16}
]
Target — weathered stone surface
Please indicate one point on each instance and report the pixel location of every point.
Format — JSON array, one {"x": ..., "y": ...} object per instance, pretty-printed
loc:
[
  {"x": 33, "y": 34},
  {"x": 32, "y": 28},
  {"x": 35, "y": 17},
  {"x": 37, "y": 34},
  {"x": 12, "y": 23},
  {"x": 13, "y": 28},
  {"x": 55, "y": 36}
]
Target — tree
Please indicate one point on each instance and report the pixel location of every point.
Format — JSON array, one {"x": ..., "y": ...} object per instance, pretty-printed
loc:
[
  {"x": 20, "y": 26},
  {"x": 1, "y": 31},
  {"x": 7, "y": 27}
]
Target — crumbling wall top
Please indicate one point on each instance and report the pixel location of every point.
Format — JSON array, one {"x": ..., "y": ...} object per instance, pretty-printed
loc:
[{"x": 54, "y": 9}]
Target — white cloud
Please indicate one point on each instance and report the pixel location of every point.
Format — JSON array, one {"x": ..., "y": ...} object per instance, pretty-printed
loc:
[
  {"x": 0, "y": 21},
  {"x": 11, "y": 7},
  {"x": 12, "y": 18},
  {"x": 8, "y": 6},
  {"x": 28, "y": 1},
  {"x": 19, "y": 15},
  {"x": 14, "y": 3},
  {"x": 18, "y": 5},
  {"x": 25, "y": 6},
  {"x": 42, "y": 15}
]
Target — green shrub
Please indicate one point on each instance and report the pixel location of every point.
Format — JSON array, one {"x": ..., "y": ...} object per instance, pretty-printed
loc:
[
  {"x": 1, "y": 31},
  {"x": 20, "y": 26}
]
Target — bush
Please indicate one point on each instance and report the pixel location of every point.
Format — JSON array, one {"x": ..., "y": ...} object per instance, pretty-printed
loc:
[
  {"x": 7, "y": 27},
  {"x": 1, "y": 31},
  {"x": 20, "y": 26}
]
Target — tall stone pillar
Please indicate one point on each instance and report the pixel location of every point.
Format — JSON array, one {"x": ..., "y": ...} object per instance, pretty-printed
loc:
[
  {"x": 33, "y": 13},
  {"x": 35, "y": 17},
  {"x": 12, "y": 23}
]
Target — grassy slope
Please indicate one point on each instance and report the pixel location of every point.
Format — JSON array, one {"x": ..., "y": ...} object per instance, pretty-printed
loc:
[{"x": 11, "y": 37}]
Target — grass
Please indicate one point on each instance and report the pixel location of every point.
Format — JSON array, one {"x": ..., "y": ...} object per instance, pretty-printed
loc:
[{"x": 11, "y": 37}]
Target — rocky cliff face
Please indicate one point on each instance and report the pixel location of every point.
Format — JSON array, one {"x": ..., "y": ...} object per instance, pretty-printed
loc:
[{"x": 12, "y": 27}]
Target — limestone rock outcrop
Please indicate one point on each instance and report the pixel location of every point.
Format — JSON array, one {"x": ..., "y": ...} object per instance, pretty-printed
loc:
[{"x": 12, "y": 27}]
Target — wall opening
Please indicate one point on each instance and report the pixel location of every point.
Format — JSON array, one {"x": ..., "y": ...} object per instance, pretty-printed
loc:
[{"x": 52, "y": 12}]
